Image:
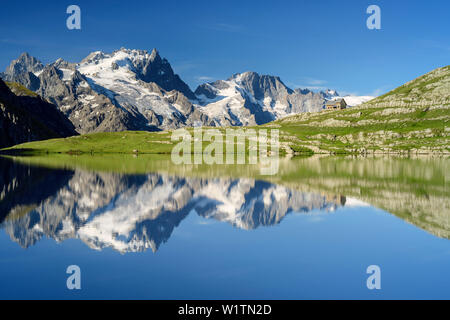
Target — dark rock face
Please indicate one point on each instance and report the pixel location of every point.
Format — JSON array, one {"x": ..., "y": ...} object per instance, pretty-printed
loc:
[
  {"x": 101, "y": 114},
  {"x": 266, "y": 86},
  {"x": 27, "y": 79},
  {"x": 144, "y": 93},
  {"x": 29, "y": 118},
  {"x": 159, "y": 71}
]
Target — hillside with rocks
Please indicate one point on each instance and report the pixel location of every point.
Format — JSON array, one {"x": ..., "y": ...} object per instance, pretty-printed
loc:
[{"x": 413, "y": 118}]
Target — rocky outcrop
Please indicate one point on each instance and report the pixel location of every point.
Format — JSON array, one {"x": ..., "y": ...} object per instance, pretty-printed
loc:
[
  {"x": 123, "y": 90},
  {"x": 25, "y": 118},
  {"x": 88, "y": 109},
  {"x": 24, "y": 70},
  {"x": 159, "y": 71}
]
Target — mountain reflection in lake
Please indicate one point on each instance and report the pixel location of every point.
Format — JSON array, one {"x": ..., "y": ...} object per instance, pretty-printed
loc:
[
  {"x": 133, "y": 213},
  {"x": 216, "y": 230}
]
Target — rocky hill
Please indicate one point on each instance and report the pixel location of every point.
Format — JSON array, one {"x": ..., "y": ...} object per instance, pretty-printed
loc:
[{"x": 137, "y": 90}]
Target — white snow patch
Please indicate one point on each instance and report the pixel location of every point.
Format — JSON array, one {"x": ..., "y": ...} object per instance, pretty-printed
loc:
[
  {"x": 67, "y": 74},
  {"x": 353, "y": 202}
]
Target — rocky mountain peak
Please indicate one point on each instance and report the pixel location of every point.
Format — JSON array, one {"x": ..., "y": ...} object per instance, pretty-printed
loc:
[
  {"x": 63, "y": 64},
  {"x": 262, "y": 86},
  {"x": 159, "y": 71},
  {"x": 5, "y": 92},
  {"x": 24, "y": 70},
  {"x": 93, "y": 57},
  {"x": 25, "y": 63},
  {"x": 303, "y": 91},
  {"x": 330, "y": 94},
  {"x": 154, "y": 55}
]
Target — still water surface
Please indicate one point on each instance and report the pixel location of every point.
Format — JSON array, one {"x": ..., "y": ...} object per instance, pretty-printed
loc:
[{"x": 141, "y": 228}]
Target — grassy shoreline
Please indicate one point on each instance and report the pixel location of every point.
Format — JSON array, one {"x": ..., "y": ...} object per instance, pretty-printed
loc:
[{"x": 297, "y": 139}]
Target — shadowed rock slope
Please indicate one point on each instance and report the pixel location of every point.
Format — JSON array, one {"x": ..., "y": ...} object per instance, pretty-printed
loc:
[{"x": 25, "y": 117}]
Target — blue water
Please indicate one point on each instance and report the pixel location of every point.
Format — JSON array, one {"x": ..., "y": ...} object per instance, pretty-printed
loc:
[{"x": 308, "y": 253}]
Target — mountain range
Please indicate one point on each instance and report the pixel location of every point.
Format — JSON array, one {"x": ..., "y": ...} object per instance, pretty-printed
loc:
[
  {"x": 138, "y": 90},
  {"x": 413, "y": 118},
  {"x": 25, "y": 116}
]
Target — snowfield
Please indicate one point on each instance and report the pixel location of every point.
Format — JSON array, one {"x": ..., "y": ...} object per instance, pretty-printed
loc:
[{"x": 354, "y": 101}]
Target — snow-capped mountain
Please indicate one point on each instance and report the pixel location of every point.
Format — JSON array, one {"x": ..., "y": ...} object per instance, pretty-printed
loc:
[
  {"x": 351, "y": 100},
  {"x": 137, "y": 90},
  {"x": 249, "y": 98},
  {"x": 123, "y": 90},
  {"x": 25, "y": 117},
  {"x": 24, "y": 70}
]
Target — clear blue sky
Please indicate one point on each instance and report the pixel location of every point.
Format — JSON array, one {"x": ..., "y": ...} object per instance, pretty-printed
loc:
[{"x": 307, "y": 43}]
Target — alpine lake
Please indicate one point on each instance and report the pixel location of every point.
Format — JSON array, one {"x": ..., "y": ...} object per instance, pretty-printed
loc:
[{"x": 141, "y": 227}]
